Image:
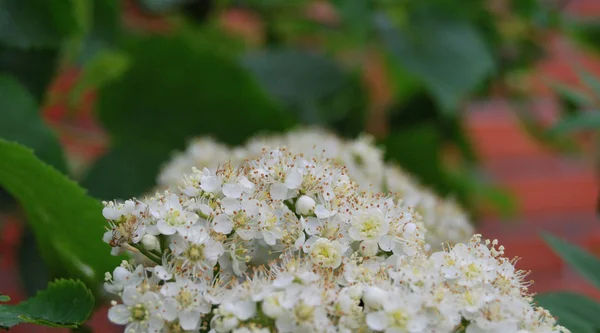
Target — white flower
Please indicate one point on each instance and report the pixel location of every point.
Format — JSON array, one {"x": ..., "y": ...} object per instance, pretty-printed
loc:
[
  {"x": 184, "y": 301},
  {"x": 139, "y": 311},
  {"x": 298, "y": 244},
  {"x": 172, "y": 217},
  {"x": 209, "y": 181},
  {"x": 122, "y": 276},
  {"x": 368, "y": 227},
  {"x": 400, "y": 313},
  {"x": 326, "y": 253},
  {"x": 196, "y": 254}
]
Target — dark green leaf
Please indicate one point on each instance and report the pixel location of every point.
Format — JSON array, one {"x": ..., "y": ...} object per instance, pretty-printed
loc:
[
  {"x": 300, "y": 80},
  {"x": 126, "y": 171},
  {"x": 65, "y": 303},
  {"x": 21, "y": 122},
  {"x": 584, "y": 120},
  {"x": 33, "y": 271},
  {"x": 35, "y": 23},
  {"x": 357, "y": 19},
  {"x": 161, "y": 6},
  {"x": 574, "y": 311},
  {"x": 448, "y": 56},
  {"x": 68, "y": 224},
  {"x": 424, "y": 162},
  {"x": 176, "y": 89},
  {"x": 33, "y": 68},
  {"x": 583, "y": 262}
]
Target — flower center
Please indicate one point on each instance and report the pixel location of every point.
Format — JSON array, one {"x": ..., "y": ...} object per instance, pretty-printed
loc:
[
  {"x": 398, "y": 318},
  {"x": 304, "y": 312},
  {"x": 174, "y": 218},
  {"x": 139, "y": 313},
  {"x": 195, "y": 253},
  {"x": 370, "y": 227},
  {"x": 186, "y": 298}
]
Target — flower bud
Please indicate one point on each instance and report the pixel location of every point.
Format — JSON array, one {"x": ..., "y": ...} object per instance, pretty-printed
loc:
[
  {"x": 305, "y": 205},
  {"x": 121, "y": 273},
  {"x": 150, "y": 242},
  {"x": 374, "y": 297}
]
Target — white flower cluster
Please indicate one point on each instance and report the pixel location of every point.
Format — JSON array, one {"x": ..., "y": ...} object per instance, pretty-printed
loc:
[
  {"x": 286, "y": 243},
  {"x": 444, "y": 220}
]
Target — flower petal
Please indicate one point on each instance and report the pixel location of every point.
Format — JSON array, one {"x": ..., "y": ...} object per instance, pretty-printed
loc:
[
  {"x": 165, "y": 228},
  {"x": 232, "y": 190},
  {"x": 119, "y": 314},
  {"x": 189, "y": 320},
  {"x": 222, "y": 224},
  {"x": 278, "y": 191}
]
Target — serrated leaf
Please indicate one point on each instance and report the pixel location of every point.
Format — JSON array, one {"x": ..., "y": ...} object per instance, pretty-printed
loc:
[
  {"x": 67, "y": 223},
  {"x": 574, "y": 311},
  {"x": 185, "y": 89},
  {"x": 583, "y": 121},
  {"x": 21, "y": 122},
  {"x": 583, "y": 262},
  {"x": 65, "y": 303},
  {"x": 35, "y": 23},
  {"x": 449, "y": 56}
]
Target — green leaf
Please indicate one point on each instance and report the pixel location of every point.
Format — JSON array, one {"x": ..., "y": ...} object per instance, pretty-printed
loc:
[
  {"x": 161, "y": 6},
  {"x": 4, "y": 298},
  {"x": 21, "y": 122},
  {"x": 591, "y": 81},
  {"x": 104, "y": 67},
  {"x": 447, "y": 55},
  {"x": 68, "y": 224},
  {"x": 126, "y": 171},
  {"x": 574, "y": 311},
  {"x": 33, "y": 68},
  {"x": 36, "y": 23},
  {"x": 577, "y": 97},
  {"x": 65, "y": 303},
  {"x": 424, "y": 162},
  {"x": 176, "y": 89},
  {"x": 584, "y": 120},
  {"x": 300, "y": 80},
  {"x": 33, "y": 270},
  {"x": 583, "y": 262},
  {"x": 357, "y": 20},
  {"x": 104, "y": 26}
]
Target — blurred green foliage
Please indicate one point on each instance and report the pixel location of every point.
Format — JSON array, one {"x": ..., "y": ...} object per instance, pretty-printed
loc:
[
  {"x": 167, "y": 70},
  {"x": 576, "y": 312}
]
